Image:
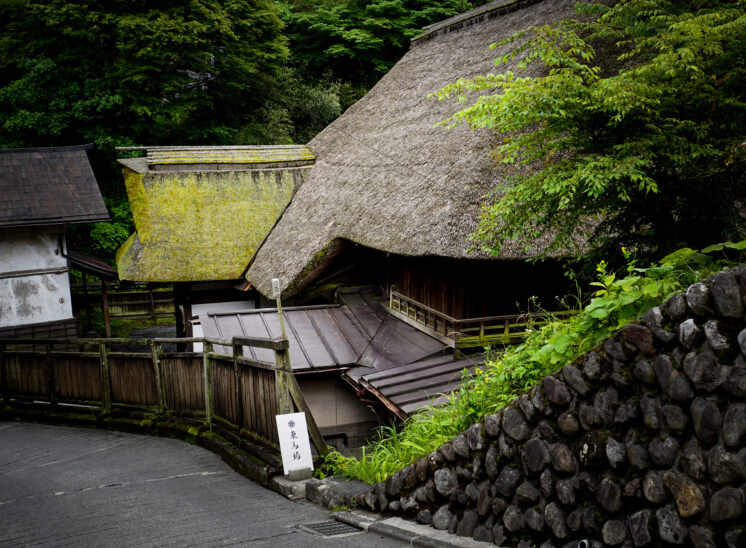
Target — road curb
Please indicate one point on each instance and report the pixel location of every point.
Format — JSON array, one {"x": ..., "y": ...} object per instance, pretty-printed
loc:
[{"x": 413, "y": 533}]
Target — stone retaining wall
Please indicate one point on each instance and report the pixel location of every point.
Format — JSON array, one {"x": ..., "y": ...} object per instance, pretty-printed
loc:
[{"x": 641, "y": 442}]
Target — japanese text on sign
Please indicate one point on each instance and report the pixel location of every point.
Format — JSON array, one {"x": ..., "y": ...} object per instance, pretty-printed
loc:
[{"x": 294, "y": 444}]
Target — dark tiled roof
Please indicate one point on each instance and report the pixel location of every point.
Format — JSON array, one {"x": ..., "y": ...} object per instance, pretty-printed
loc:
[{"x": 44, "y": 186}]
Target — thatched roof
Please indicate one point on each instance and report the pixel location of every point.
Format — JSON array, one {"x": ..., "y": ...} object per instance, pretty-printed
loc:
[
  {"x": 201, "y": 212},
  {"x": 385, "y": 177}
]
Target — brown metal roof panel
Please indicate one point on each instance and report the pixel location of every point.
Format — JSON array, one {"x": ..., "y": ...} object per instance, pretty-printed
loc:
[
  {"x": 429, "y": 384},
  {"x": 369, "y": 312},
  {"x": 425, "y": 396},
  {"x": 432, "y": 373},
  {"x": 91, "y": 265},
  {"x": 252, "y": 325},
  {"x": 225, "y": 327},
  {"x": 422, "y": 365},
  {"x": 414, "y": 406},
  {"x": 298, "y": 357},
  {"x": 397, "y": 343},
  {"x": 339, "y": 334},
  {"x": 310, "y": 342},
  {"x": 351, "y": 328}
]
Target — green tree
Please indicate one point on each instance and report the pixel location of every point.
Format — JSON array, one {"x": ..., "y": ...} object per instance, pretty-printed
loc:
[
  {"x": 125, "y": 72},
  {"x": 356, "y": 42},
  {"x": 122, "y": 70},
  {"x": 651, "y": 155}
]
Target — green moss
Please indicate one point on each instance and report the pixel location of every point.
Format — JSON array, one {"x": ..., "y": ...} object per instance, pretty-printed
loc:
[
  {"x": 313, "y": 263},
  {"x": 199, "y": 226}
]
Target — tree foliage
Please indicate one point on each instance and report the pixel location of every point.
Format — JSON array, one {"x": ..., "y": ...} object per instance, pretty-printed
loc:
[
  {"x": 357, "y": 41},
  {"x": 136, "y": 71},
  {"x": 650, "y": 155}
]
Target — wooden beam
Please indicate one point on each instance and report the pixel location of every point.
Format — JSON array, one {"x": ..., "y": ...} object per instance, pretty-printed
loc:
[
  {"x": 237, "y": 384},
  {"x": 207, "y": 379},
  {"x": 4, "y": 376},
  {"x": 158, "y": 375},
  {"x": 105, "y": 307},
  {"x": 300, "y": 402},
  {"x": 105, "y": 378},
  {"x": 282, "y": 387}
]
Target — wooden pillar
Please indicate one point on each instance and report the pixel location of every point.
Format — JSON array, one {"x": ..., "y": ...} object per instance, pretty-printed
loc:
[
  {"x": 300, "y": 402},
  {"x": 105, "y": 377},
  {"x": 282, "y": 384},
  {"x": 152, "y": 303},
  {"x": 238, "y": 352},
  {"x": 50, "y": 376},
  {"x": 207, "y": 378},
  {"x": 86, "y": 305},
  {"x": 158, "y": 375},
  {"x": 4, "y": 376},
  {"x": 105, "y": 307}
]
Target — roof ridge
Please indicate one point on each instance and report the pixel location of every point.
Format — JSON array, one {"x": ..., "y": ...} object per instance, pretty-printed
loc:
[
  {"x": 473, "y": 17},
  {"x": 87, "y": 146}
]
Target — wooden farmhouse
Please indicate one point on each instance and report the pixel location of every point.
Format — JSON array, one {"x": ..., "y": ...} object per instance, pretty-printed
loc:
[
  {"x": 44, "y": 191},
  {"x": 200, "y": 213},
  {"x": 373, "y": 246},
  {"x": 366, "y": 228}
]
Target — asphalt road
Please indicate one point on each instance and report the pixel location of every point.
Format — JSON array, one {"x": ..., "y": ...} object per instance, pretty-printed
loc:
[{"x": 62, "y": 486}]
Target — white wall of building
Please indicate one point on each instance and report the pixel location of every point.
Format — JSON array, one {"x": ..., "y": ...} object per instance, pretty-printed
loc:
[{"x": 34, "y": 284}]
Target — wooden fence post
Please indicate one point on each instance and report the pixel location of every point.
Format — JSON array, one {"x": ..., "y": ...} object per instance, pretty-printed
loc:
[
  {"x": 4, "y": 376},
  {"x": 152, "y": 304},
  {"x": 158, "y": 375},
  {"x": 237, "y": 352},
  {"x": 282, "y": 364},
  {"x": 50, "y": 376},
  {"x": 105, "y": 307},
  {"x": 105, "y": 377},
  {"x": 207, "y": 375}
]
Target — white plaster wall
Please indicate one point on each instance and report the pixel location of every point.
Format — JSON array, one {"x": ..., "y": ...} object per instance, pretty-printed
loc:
[
  {"x": 32, "y": 298},
  {"x": 30, "y": 249}
]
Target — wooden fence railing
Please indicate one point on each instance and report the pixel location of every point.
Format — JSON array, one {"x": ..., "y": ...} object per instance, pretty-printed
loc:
[
  {"x": 467, "y": 332},
  {"x": 235, "y": 395}
]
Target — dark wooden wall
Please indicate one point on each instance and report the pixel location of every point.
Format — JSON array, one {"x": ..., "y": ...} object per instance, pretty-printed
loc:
[{"x": 462, "y": 288}]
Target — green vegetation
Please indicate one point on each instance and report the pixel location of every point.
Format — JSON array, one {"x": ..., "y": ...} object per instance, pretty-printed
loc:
[
  {"x": 617, "y": 301},
  {"x": 208, "y": 72},
  {"x": 649, "y": 155},
  {"x": 356, "y": 42}
]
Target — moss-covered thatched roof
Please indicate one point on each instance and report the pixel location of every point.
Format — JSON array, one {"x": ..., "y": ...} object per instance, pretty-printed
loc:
[
  {"x": 385, "y": 177},
  {"x": 201, "y": 212}
]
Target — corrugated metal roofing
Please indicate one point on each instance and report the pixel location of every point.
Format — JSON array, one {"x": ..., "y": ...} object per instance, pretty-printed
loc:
[
  {"x": 320, "y": 337},
  {"x": 400, "y": 365},
  {"x": 44, "y": 186},
  {"x": 415, "y": 385}
]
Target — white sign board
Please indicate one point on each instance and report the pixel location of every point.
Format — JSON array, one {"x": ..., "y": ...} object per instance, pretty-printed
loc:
[
  {"x": 294, "y": 444},
  {"x": 276, "y": 288}
]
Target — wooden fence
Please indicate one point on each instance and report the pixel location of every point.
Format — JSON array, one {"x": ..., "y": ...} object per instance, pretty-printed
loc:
[
  {"x": 234, "y": 395},
  {"x": 467, "y": 332}
]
